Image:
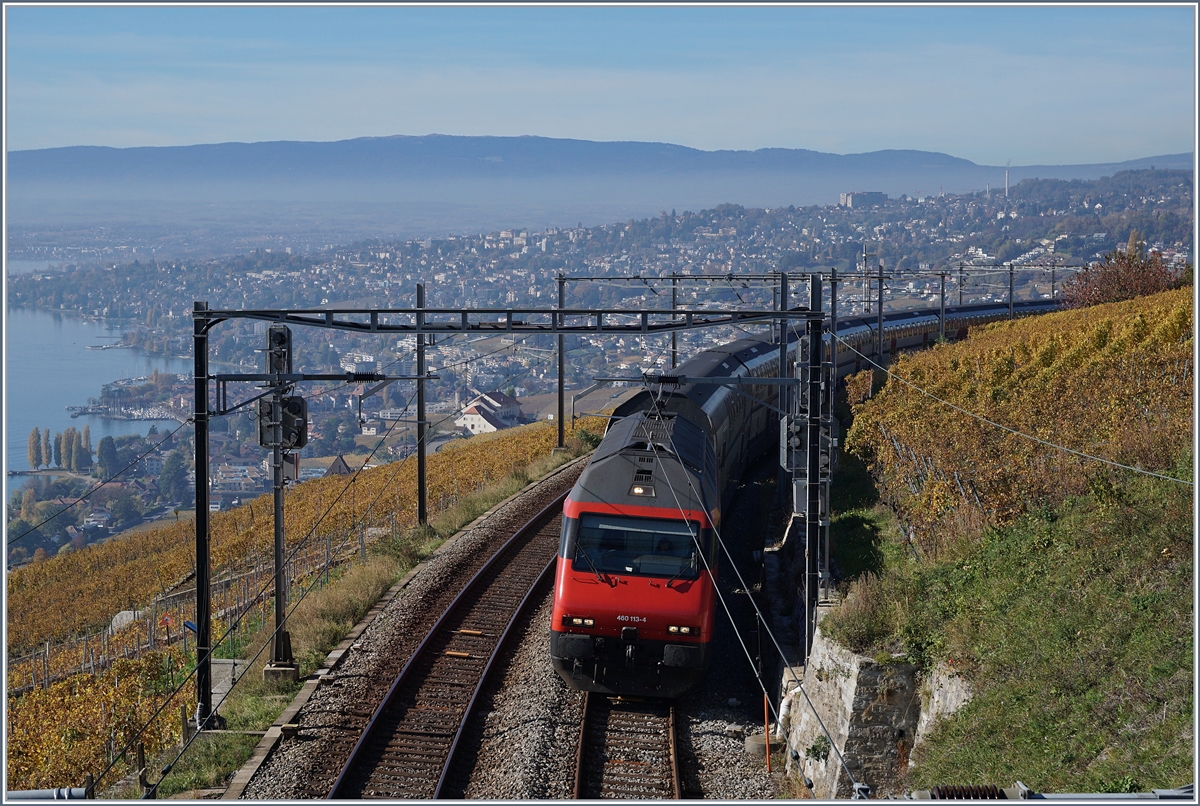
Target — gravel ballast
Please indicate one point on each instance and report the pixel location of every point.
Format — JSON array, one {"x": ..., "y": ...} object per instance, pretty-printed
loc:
[{"x": 521, "y": 743}]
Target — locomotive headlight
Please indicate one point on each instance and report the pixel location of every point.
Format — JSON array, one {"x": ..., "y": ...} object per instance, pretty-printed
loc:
[
  {"x": 642, "y": 489},
  {"x": 682, "y": 630},
  {"x": 578, "y": 621}
]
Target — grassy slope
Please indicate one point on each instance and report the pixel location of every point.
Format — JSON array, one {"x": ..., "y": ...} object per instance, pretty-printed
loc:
[
  {"x": 1075, "y": 626},
  {"x": 1073, "y": 623}
]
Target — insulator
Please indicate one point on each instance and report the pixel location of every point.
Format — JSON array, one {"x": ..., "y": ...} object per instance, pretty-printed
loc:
[{"x": 981, "y": 792}]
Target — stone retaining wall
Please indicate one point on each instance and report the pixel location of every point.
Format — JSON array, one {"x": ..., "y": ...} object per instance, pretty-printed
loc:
[{"x": 875, "y": 710}]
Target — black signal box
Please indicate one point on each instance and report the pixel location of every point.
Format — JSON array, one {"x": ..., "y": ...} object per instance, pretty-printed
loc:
[
  {"x": 294, "y": 422},
  {"x": 279, "y": 349}
]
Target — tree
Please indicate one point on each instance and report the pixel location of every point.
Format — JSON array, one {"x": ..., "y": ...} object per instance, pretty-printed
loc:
[
  {"x": 58, "y": 460},
  {"x": 14, "y": 504},
  {"x": 173, "y": 479},
  {"x": 68, "y": 448},
  {"x": 47, "y": 452},
  {"x": 106, "y": 457},
  {"x": 125, "y": 507},
  {"x": 28, "y": 502},
  {"x": 87, "y": 438},
  {"x": 83, "y": 455},
  {"x": 34, "y": 454},
  {"x": 1122, "y": 275}
]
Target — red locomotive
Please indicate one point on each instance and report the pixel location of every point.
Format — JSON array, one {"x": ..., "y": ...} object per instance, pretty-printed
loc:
[{"x": 634, "y": 588}]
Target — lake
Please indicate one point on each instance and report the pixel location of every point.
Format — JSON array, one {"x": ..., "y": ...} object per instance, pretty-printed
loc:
[{"x": 47, "y": 368}]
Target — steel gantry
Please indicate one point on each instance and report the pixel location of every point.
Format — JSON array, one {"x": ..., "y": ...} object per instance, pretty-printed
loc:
[{"x": 421, "y": 322}]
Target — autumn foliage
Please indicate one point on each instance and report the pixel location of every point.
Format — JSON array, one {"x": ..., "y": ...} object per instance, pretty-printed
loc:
[
  {"x": 84, "y": 589},
  {"x": 1122, "y": 275},
  {"x": 61, "y": 731},
  {"x": 57, "y": 735},
  {"x": 1113, "y": 381}
]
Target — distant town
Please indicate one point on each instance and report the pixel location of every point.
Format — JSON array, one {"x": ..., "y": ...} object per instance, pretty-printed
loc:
[{"x": 1040, "y": 228}]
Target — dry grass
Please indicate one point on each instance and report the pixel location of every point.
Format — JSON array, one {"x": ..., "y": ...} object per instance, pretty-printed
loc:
[
  {"x": 868, "y": 615},
  {"x": 325, "y": 616}
]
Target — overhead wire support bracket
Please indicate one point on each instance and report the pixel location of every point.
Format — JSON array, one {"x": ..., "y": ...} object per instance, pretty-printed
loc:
[
  {"x": 510, "y": 320},
  {"x": 293, "y": 378},
  {"x": 680, "y": 380}
]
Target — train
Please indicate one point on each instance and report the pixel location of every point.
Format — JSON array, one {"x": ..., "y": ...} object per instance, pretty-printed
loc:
[{"x": 635, "y": 580}]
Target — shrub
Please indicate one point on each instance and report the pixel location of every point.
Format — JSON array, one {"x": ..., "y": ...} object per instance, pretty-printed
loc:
[
  {"x": 866, "y": 616},
  {"x": 1121, "y": 276}
]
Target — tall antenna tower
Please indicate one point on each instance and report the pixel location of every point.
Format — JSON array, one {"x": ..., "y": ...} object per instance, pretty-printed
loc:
[{"x": 1006, "y": 165}]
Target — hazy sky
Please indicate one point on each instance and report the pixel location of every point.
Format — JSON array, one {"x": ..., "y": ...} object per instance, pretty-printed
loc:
[{"x": 1066, "y": 84}]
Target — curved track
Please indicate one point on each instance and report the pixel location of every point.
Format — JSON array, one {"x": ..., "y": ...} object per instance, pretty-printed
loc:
[
  {"x": 627, "y": 749},
  {"x": 409, "y": 744}
]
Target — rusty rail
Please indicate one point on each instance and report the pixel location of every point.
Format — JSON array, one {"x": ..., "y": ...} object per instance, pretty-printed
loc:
[
  {"x": 408, "y": 747},
  {"x": 627, "y": 749}
]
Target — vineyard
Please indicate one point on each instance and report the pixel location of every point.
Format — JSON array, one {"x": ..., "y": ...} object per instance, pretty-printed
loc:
[
  {"x": 72, "y": 728},
  {"x": 109, "y": 681},
  {"x": 59, "y": 610},
  {"x": 1056, "y": 587},
  {"x": 1113, "y": 381}
]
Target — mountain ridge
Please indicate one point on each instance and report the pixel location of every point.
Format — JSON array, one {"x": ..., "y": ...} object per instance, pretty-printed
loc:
[
  {"x": 488, "y": 156},
  {"x": 430, "y": 184}
]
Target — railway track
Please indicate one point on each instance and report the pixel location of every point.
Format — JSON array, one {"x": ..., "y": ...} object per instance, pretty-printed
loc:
[
  {"x": 627, "y": 749},
  {"x": 409, "y": 744}
]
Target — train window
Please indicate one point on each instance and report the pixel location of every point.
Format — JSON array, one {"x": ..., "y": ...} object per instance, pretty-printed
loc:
[
  {"x": 570, "y": 529},
  {"x": 614, "y": 544}
]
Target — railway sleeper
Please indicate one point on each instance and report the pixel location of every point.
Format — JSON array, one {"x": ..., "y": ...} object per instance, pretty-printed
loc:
[{"x": 403, "y": 768}]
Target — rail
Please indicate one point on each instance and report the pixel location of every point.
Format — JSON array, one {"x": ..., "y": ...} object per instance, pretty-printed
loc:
[
  {"x": 409, "y": 745},
  {"x": 627, "y": 749}
]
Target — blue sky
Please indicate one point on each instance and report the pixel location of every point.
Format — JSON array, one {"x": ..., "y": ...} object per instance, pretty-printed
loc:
[{"x": 1030, "y": 84}]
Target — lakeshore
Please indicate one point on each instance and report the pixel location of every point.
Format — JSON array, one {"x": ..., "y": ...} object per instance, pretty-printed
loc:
[
  {"x": 48, "y": 368},
  {"x": 123, "y": 413}
]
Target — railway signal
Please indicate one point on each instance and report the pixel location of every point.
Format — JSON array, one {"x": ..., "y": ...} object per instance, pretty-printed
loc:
[
  {"x": 279, "y": 349},
  {"x": 294, "y": 422}
]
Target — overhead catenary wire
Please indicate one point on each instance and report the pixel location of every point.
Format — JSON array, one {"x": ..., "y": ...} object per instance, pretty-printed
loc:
[
  {"x": 237, "y": 620},
  {"x": 232, "y": 625},
  {"x": 295, "y": 549},
  {"x": 307, "y": 590},
  {"x": 762, "y": 618},
  {"x": 292, "y": 608},
  {"x": 362, "y": 519},
  {"x": 1014, "y": 431}
]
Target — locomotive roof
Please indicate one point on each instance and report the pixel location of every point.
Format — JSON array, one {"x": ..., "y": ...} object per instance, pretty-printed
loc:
[
  {"x": 667, "y": 433},
  {"x": 672, "y": 449}
]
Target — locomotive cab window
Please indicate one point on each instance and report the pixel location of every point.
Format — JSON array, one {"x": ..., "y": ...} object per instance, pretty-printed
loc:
[{"x": 614, "y": 544}]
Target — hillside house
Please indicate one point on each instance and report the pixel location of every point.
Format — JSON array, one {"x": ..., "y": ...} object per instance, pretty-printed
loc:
[{"x": 488, "y": 412}]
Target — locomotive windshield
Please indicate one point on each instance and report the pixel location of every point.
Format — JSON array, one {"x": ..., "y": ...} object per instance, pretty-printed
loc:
[{"x": 613, "y": 544}]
